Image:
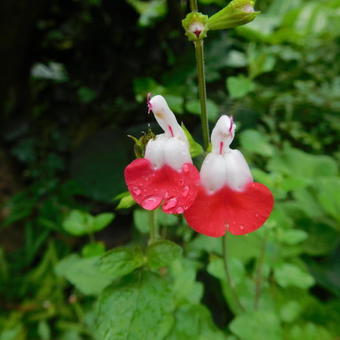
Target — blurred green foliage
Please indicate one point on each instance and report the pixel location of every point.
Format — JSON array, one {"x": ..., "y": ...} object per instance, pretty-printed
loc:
[{"x": 66, "y": 148}]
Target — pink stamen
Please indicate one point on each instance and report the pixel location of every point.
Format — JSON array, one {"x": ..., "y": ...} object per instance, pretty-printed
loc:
[
  {"x": 171, "y": 131},
  {"x": 148, "y": 103},
  {"x": 221, "y": 147},
  {"x": 231, "y": 124}
]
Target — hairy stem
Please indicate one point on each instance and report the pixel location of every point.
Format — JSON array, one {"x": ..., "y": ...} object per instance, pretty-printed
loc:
[
  {"x": 153, "y": 226},
  {"x": 199, "y": 52},
  {"x": 226, "y": 268},
  {"x": 258, "y": 273}
]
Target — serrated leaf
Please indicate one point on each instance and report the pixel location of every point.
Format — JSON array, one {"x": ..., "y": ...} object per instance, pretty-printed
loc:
[
  {"x": 139, "y": 306},
  {"x": 254, "y": 325},
  {"x": 121, "y": 261},
  {"x": 83, "y": 273},
  {"x": 163, "y": 253},
  {"x": 194, "y": 322}
]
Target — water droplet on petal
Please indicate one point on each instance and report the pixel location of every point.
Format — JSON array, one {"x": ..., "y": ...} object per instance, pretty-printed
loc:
[
  {"x": 185, "y": 191},
  {"x": 181, "y": 182},
  {"x": 151, "y": 202},
  {"x": 136, "y": 191},
  {"x": 166, "y": 195},
  {"x": 242, "y": 227},
  {"x": 179, "y": 210},
  {"x": 186, "y": 168},
  {"x": 170, "y": 203}
]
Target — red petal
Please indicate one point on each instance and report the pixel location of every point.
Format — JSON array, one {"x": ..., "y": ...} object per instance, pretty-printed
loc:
[
  {"x": 228, "y": 210},
  {"x": 149, "y": 188}
]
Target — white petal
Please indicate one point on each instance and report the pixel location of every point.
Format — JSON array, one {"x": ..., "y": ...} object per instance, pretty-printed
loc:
[
  {"x": 237, "y": 170},
  {"x": 213, "y": 172},
  {"x": 176, "y": 153},
  {"x": 154, "y": 151}
]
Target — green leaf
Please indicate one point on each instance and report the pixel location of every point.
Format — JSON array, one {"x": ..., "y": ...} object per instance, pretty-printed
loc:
[
  {"x": 77, "y": 222},
  {"x": 86, "y": 95},
  {"x": 236, "y": 268},
  {"x": 125, "y": 201},
  {"x": 80, "y": 223},
  {"x": 255, "y": 142},
  {"x": 83, "y": 273},
  {"x": 195, "y": 148},
  {"x": 101, "y": 221},
  {"x": 175, "y": 103},
  {"x": 121, "y": 261},
  {"x": 194, "y": 322},
  {"x": 288, "y": 274},
  {"x": 308, "y": 331},
  {"x": 139, "y": 306},
  {"x": 141, "y": 220},
  {"x": 297, "y": 163},
  {"x": 163, "y": 253},
  {"x": 291, "y": 236},
  {"x": 166, "y": 220},
  {"x": 255, "y": 325},
  {"x": 93, "y": 249},
  {"x": 329, "y": 196},
  {"x": 239, "y": 86},
  {"x": 193, "y": 106},
  {"x": 185, "y": 287},
  {"x": 290, "y": 311}
]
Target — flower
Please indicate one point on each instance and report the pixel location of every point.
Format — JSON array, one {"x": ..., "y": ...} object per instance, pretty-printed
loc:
[
  {"x": 228, "y": 199},
  {"x": 166, "y": 175}
]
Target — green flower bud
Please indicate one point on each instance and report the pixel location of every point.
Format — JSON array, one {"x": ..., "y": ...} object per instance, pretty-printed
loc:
[
  {"x": 236, "y": 13},
  {"x": 195, "y": 26}
]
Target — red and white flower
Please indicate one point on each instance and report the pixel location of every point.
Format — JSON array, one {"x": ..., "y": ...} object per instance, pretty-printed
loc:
[
  {"x": 166, "y": 175},
  {"x": 228, "y": 199}
]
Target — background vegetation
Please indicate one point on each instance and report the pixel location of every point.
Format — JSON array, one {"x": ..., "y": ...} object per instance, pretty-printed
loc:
[{"x": 74, "y": 261}]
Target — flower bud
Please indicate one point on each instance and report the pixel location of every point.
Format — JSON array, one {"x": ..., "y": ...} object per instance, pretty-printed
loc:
[
  {"x": 236, "y": 13},
  {"x": 195, "y": 26}
]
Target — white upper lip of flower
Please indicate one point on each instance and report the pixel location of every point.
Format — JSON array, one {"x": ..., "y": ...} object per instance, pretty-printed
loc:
[
  {"x": 224, "y": 166},
  {"x": 170, "y": 147}
]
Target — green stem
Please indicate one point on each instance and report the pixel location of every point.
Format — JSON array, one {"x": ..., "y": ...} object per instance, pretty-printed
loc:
[
  {"x": 229, "y": 280},
  {"x": 153, "y": 226},
  {"x": 199, "y": 52},
  {"x": 258, "y": 273},
  {"x": 193, "y": 5}
]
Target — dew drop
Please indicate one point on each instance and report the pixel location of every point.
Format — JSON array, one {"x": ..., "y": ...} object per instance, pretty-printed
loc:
[
  {"x": 166, "y": 195},
  {"x": 242, "y": 227},
  {"x": 151, "y": 202},
  {"x": 185, "y": 191},
  {"x": 136, "y": 191},
  {"x": 181, "y": 182},
  {"x": 170, "y": 203},
  {"x": 179, "y": 210}
]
